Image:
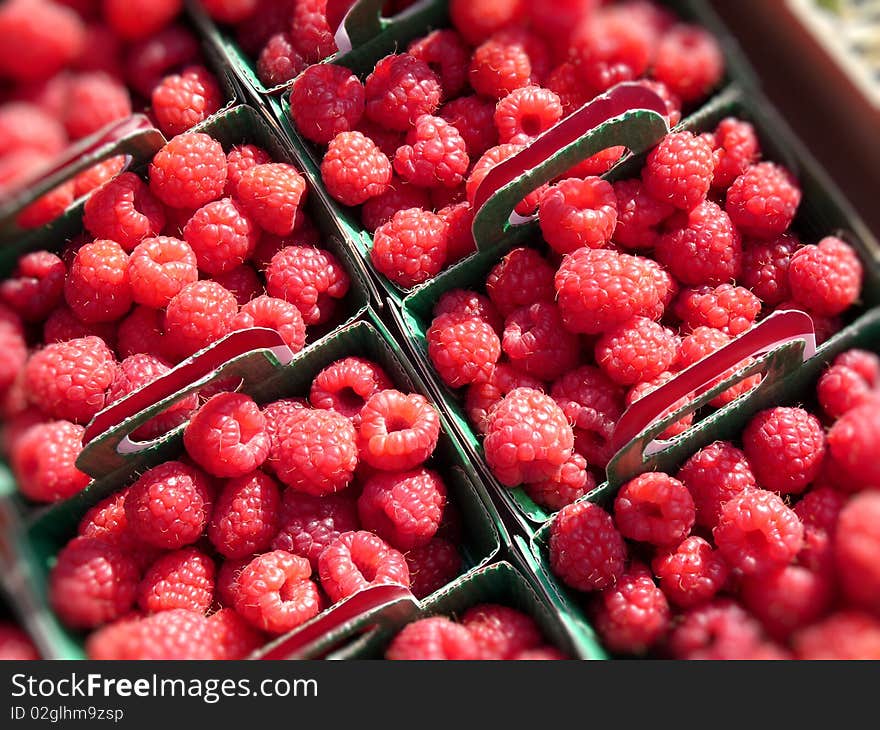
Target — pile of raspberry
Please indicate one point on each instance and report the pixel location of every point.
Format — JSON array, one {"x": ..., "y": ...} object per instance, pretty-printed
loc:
[
  {"x": 769, "y": 549},
  {"x": 488, "y": 631},
  {"x": 68, "y": 69},
  {"x": 15, "y": 644},
  {"x": 273, "y": 515},
  {"x": 214, "y": 242},
  {"x": 639, "y": 279},
  {"x": 412, "y": 142}
]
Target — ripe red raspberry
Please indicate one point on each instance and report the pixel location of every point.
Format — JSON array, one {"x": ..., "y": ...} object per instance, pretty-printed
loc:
[
  {"x": 841, "y": 389},
  {"x": 325, "y": 101},
  {"x": 143, "y": 331},
  {"x": 537, "y": 343},
  {"x": 199, "y": 315},
  {"x": 309, "y": 278},
  {"x": 571, "y": 482},
  {"x": 309, "y": 524},
  {"x": 689, "y": 61},
  {"x": 586, "y": 550},
  {"x": 180, "y": 579},
  {"x": 785, "y": 447},
  {"x": 97, "y": 175},
  {"x": 275, "y": 413},
  {"x": 484, "y": 165},
  {"x": 469, "y": 304},
  {"x": 149, "y": 59},
  {"x": 274, "y": 593},
  {"x": 24, "y": 125},
  {"x": 599, "y": 289},
  {"x": 43, "y": 461},
  {"x": 474, "y": 118},
  {"x": 462, "y": 348},
  {"x": 856, "y": 548},
  {"x": 638, "y": 215},
  {"x": 15, "y": 644},
  {"x": 400, "y": 89},
  {"x": 35, "y": 287},
  {"x": 354, "y": 169},
  {"x": 432, "y": 566},
  {"x": 92, "y": 582},
  {"x": 227, "y": 436},
  {"x": 245, "y": 517},
  {"x": 169, "y": 506},
  {"x": 565, "y": 81},
  {"x": 448, "y": 56},
  {"x": 346, "y": 385},
  {"x": 844, "y": 635},
  {"x": 521, "y": 278},
  {"x": 240, "y": 159},
  {"x": 222, "y": 236},
  {"x": 435, "y": 154},
  {"x": 397, "y": 431},
  {"x": 46, "y": 208},
  {"x": 691, "y": 573},
  {"x": 97, "y": 286},
  {"x": 477, "y": 19},
  {"x": 633, "y": 615},
  {"x": 654, "y": 508},
  {"x": 398, "y": 196},
  {"x": 501, "y": 632},
  {"x": 827, "y": 278},
  {"x": 42, "y": 39},
  {"x": 279, "y": 61},
  {"x": 106, "y": 521},
  {"x": 636, "y": 351},
  {"x": 271, "y": 194},
  {"x": 525, "y": 113},
  {"x": 864, "y": 362},
  {"x": 713, "y": 476},
  {"x": 230, "y": 11},
  {"x": 183, "y": 100},
  {"x": 435, "y": 638},
  {"x": 575, "y": 213},
  {"x": 717, "y": 630},
  {"x": 315, "y": 451},
  {"x": 140, "y": 18},
  {"x": 169, "y": 635},
  {"x": 499, "y": 68},
  {"x": 93, "y": 100},
  {"x": 591, "y": 402},
  {"x": 356, "y": 560},
  {"x": 736, "y": 148},
  {"x": 411, "y": 247},
  {"x": 159, "y": 268},
  {"x": 762, "y": 202},
  {"x": 310, "y": 31},
  {"x": 232, "y": 636},
  {"x": 63, "y": 326},
  {"x": 403, "y": 508},
  {"x": 679, "y": 170},
  {"x": 275, "y": 314},
  {"x": 756, "y": 532},
  {"x": 189, "y": 171},
  {"x": 243, "y": 283},
  {"x": 731, "y": 309},
  {"x": 853, "y": 442},
  {"x": 69, "y": 380},
  {"x": 820, "y": 508},
  {"x": 701, "y": 247},
  {"x": 482, "y": 396}
]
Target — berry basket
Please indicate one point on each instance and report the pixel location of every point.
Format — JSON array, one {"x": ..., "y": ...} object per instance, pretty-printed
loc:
[
  {"x": 268, "y": 372},
  {"x": 789, "y": 383},
  {"x": 822, "y": 212}
]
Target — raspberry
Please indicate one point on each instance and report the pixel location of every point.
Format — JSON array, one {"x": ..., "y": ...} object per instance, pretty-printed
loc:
[
  {"x": 97, "y": 286},
  {"x": 47, "y": 207},
  {"x": 474, "y": 118},
  {"x": 403, "y": 508},
  {"x": 269, "y": 17},
  {"x": 762, "y": 202},
  {"x": 731, "y": 309},
  {"x": 525, "y": 113},
  {"x": 713, "y": 476},
  {"x": 309, "y": 524},
  {"x": 575, "y": 213},
  {"x": 325, "y": 101},
  {"x": 106, "y": 521},
  {"x": 501, "y": 632},
  {"x": 856, "y": 547},
  {"x": 243, "y": 283},
  {"x": 636, "y": 351},
  {"x": 141, "y": 18},
  {"x": 827, "y": 278},
  {"x": 671, "y": 100},
  {"x": 462, "y": 348},
  {"x": 654, "y": 508},
  {"x": 93, "y": 101},
  {"x": 499, "y": 68},
  {"x": 679, "y": 170},
  {"x": 566, "y": 83},
  {"x": 398, "y": 196},
  {"x": 275, "y": 314},
  {"x": 189, "y": 171},
  {"x": 245, "y": 517},
  {"x": 315, "y": 451},
  {"x": 432, "y": 566},
  {"x": 765, "y": 267},
  {"x": 36, "y": 286},
  {"x": 410, "y": 248},
  {"x": 638, "y": 215},
  {"x": 736, "y": 148},
  {"x": 63, "y": 326},
  {"x": 476, "y": 19},
  {"x": 397, "y": 431},
  {"x": 610, "y": 48},
  {"x": 133, "y": 373},
  {"x": 240, "y": 159},
  {"x": 180, "y": 579},
  {"x": 600, "y": 289},
  {"x": 691, "y": 573},
  {"x": 159, "y": 268},
  {"x": 633, "y": 615},
  {"x": 571, "y": 482},
  {"x": 346, "y": 385},
  {"x": 435, "y": 154},
  {"x": 589, "y": 400},
  {"x": 482, "y": 396},
  {"x": 233, "y": 637},
  {"x": 227, "y": 437},
  {"x": 221, "y": 235},
  {"x": 485, "y": 164},
  {"x": 785, "y": 447},
  {"x": 169, "y": 635},
  {"x": 853, "y": 441},
  {"x": 69, "y": 380},
  {"x": 400, "y": 89},
  {"x": 230, "y": 11},
  {"x": 27, "y": 126},
  {"x": 198, "y": 315},
  {"x": 467, "y": 303},
  {"x": 44, "y": 461},
  {"x": 841, "y": 389},
  {"x": 271, "y": 195},
  {"x": 150, "y": 59},
  {"x": 435, "y": 638},
  {"x": 586, "y": 550},
  {"x": 226, "y": 583},
  {"x": 183, "y": 100},
  {"x": 274, "y": 415},
  {"x": 537, "y": 343},
  {"x": 310, "y": 32},
  {"x": 279, "y": 61},
  {"x": 756, "y": 532},
  {"x": 448, "y": 56},
  {"x": 97, "y": 175},
  {"x": 309, "y": 278},
  {"x": 356, "y": 560},
  {"x": 523, "y": 277},
  {"x": 15, "y": 644},
  {"x": 820, "y": 508},
  {"x": 845, "y": 635},
  {"x": 143, "y": 331},
  {"x": 274, "y": 592},
  {"x": 689, "y": 61},
  {"x": 701, "y": 247},
  {"x": 169, "y": 506},
  {"x": 42, "y": 38},
  {"x": 386, "y": 140},
  {"x": 864, "y": 362},
  {"x": 92, "y": 583},
  {"x": 354, "y": 169},
  {"x": 717, "y": 630}
]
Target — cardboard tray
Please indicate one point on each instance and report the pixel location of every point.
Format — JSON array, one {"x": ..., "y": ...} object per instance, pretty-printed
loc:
[{"x": 822, "y": 212}]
